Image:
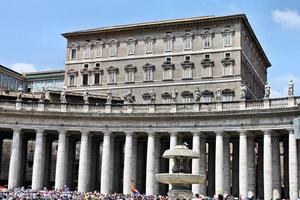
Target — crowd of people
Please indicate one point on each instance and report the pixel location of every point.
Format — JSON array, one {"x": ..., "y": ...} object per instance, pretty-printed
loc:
[{"x": 24, "y": 194}]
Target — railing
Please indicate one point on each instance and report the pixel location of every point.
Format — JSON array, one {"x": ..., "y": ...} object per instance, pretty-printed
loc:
[
  {"x": 279, "y": 103},
  {"x": 151, "y": 108}
]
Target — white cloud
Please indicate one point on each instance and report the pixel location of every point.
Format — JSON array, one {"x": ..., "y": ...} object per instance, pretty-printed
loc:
[
  {"x": 23, "y": 67},
  {"x": 288, "y": 18}
]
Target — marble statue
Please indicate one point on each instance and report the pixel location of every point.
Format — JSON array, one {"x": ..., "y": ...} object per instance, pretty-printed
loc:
[
  {"x": 267, "y": 91},
  {"x": 291, "y": 88},
  {"x": 152, "y": 96},
  {"x": 20, "y": 93},
  {"x": 197, "y": 95},
  {"x": 129, "y": 98},
  {"x": 243, "y": 91},
  {"x": 174, "y": 95},
  {"x": 109, "y": 97},
  {"x": 86, "y": 97},
  {"x": 218, "y": 95}
]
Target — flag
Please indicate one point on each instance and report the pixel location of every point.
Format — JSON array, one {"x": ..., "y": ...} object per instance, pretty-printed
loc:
[{"x": 133, "y": 189}]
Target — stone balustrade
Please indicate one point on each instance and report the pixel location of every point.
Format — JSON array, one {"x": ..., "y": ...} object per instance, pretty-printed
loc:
[{"x": 152, "y": 108}]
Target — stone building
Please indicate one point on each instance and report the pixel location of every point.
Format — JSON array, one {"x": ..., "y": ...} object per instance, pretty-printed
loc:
[
  {"x": 10, "y": 80},
  {"x": 246, "y": 142},
  {"x": 208, "y": 53}
]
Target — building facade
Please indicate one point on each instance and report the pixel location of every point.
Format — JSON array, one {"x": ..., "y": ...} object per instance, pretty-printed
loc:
[
  {"x": 45, "y": 80},
  {"x": 207, "y": 54},
  {"x": 10, "y": 80},
  {"x": 247, "y": 143}
]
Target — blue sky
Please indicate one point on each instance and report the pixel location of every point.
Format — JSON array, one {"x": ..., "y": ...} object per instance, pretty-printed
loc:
[{"x": 31, "y": 40}]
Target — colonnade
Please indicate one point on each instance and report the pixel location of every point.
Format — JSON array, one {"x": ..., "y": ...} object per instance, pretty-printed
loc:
[{"x": 233, "y": 163}]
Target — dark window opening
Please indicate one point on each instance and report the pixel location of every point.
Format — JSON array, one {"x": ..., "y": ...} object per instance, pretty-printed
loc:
[{"x": 85, "y": 79}]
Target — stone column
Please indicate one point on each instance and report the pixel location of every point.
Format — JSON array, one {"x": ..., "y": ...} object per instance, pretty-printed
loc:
[
  {"x": 251, "y": 167},
  {"x": 173, "y": 143},
  {"x": 127, "y": 163},
  {"x": 219, "y": 174},
  {"x": 105, "y": 169},
  {"x": 293, "y": 169},
  {"x": 226, "y": 164},
  {"x": 276, "y": 168},
  {"x": 235, "y": 167},
  {"x": 260, "y": 168},
  {"x": 112, "y": 164},
  {"x": 84, "y": 163},
  {"x": 135, "y": 163},
  {"x": 157, "y": 161},
  {"x": 39, "y": 161},
  {"x": 14, "y": 177},
  {"x": 268, "y": 182},
  {"x": 150, "y": 168},
  {"x": 243, "y": 174},
  {"x": 196, "y": 162},
  {"x": 61, "y": 161}
]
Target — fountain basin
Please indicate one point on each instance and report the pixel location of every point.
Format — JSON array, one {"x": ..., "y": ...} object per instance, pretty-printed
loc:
[{"x": 180, "y": 178}]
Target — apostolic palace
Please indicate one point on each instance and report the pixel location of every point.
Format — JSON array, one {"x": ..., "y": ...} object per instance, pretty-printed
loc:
[{"x": 130, "y": 92}]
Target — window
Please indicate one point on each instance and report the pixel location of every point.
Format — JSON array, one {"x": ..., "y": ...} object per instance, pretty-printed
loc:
[
  {"x": 98, "y": 50},
  {"x": 85, "y": 79},
  {"x": 168, "y": 68},
  {"x": 227, "y": 36},
  {"x": 149, "y": 45},
  {"x": 206, "y": 97},
  {"x": 148, "y": 72},
  {"x": 187, "y": 73},
  {"x": 97, "y": 66},
  {"x": 227, "y": 40},
  {"x": 113, "y": 48},
  {"x": 130, "y": 46},
  {"x": 97, "y": 78},
  {"x": 112, "y": 75},
  {"x": 227, "y": 69},
  {"x": 187, "y": 41},
  {"x": 166, "y": 98},
  {"x": 129, "y": 73},
  {"x": 227, "y": 96},
  {"x": 187, "y": 68},
  {"x": 207, "y": 41},
  {"x": 206, "y": 71},
  {"x": 72, "y": 80},
  {"x": 187, "y": 58},
  {"x": 168, "y": 39},
  {"x": 168, "y": 59},
  {"x": 86, "y": 52},
  {"x": 168, "y": 74},
  {"x": 227, "y": 55},
  {"x": 129, "y": 76},
  {"x": 85, "y": 66},
  {"x": 186, "y": 97},
  {"x": 206, "y": 56},
  {"x": 73, "y": 53}
]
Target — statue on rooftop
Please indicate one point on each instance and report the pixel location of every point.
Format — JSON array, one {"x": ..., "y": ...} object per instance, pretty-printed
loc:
[
  {"x": 152, "y": 96},
  {"x": 174, "y": 95},
  {"x": 197, "y": 95},
  {"x": 218, "y": 95},
  {"x": 43, "y": 95},
  {"x": 291, "y": 88},
  {"x": 267, "y": 91},
  {"x": 63, "y": 96},
  {"x": 109, "y": 97},
  {"x": 86, "y": 97},
  {"x": 129, "y": 98},
  {"x": 243, "y": 92},
  {"x": 20, "y": 93}
]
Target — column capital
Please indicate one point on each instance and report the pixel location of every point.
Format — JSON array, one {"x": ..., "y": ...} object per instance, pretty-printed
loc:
[
  {"x": 173, "y": 133},
  {"x": 290, "y": 130},
  {"x": 129, "y": 133},
  {"x": 151, "y": 133},
  {"x": 197, "y": 133},
  {"x": 84, "y": 132},
  {"x": 243, "y": 132},
  {"x": 219, "y": 133},
  {"x": 39, "y": 131},
  {"x": 106, "y": 133},
  {"x": 267, "y": 131},
  {"x": 17, "y": 129}
]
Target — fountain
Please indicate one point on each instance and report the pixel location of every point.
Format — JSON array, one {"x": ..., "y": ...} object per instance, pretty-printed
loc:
[{"x": 180, "y": 178}]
